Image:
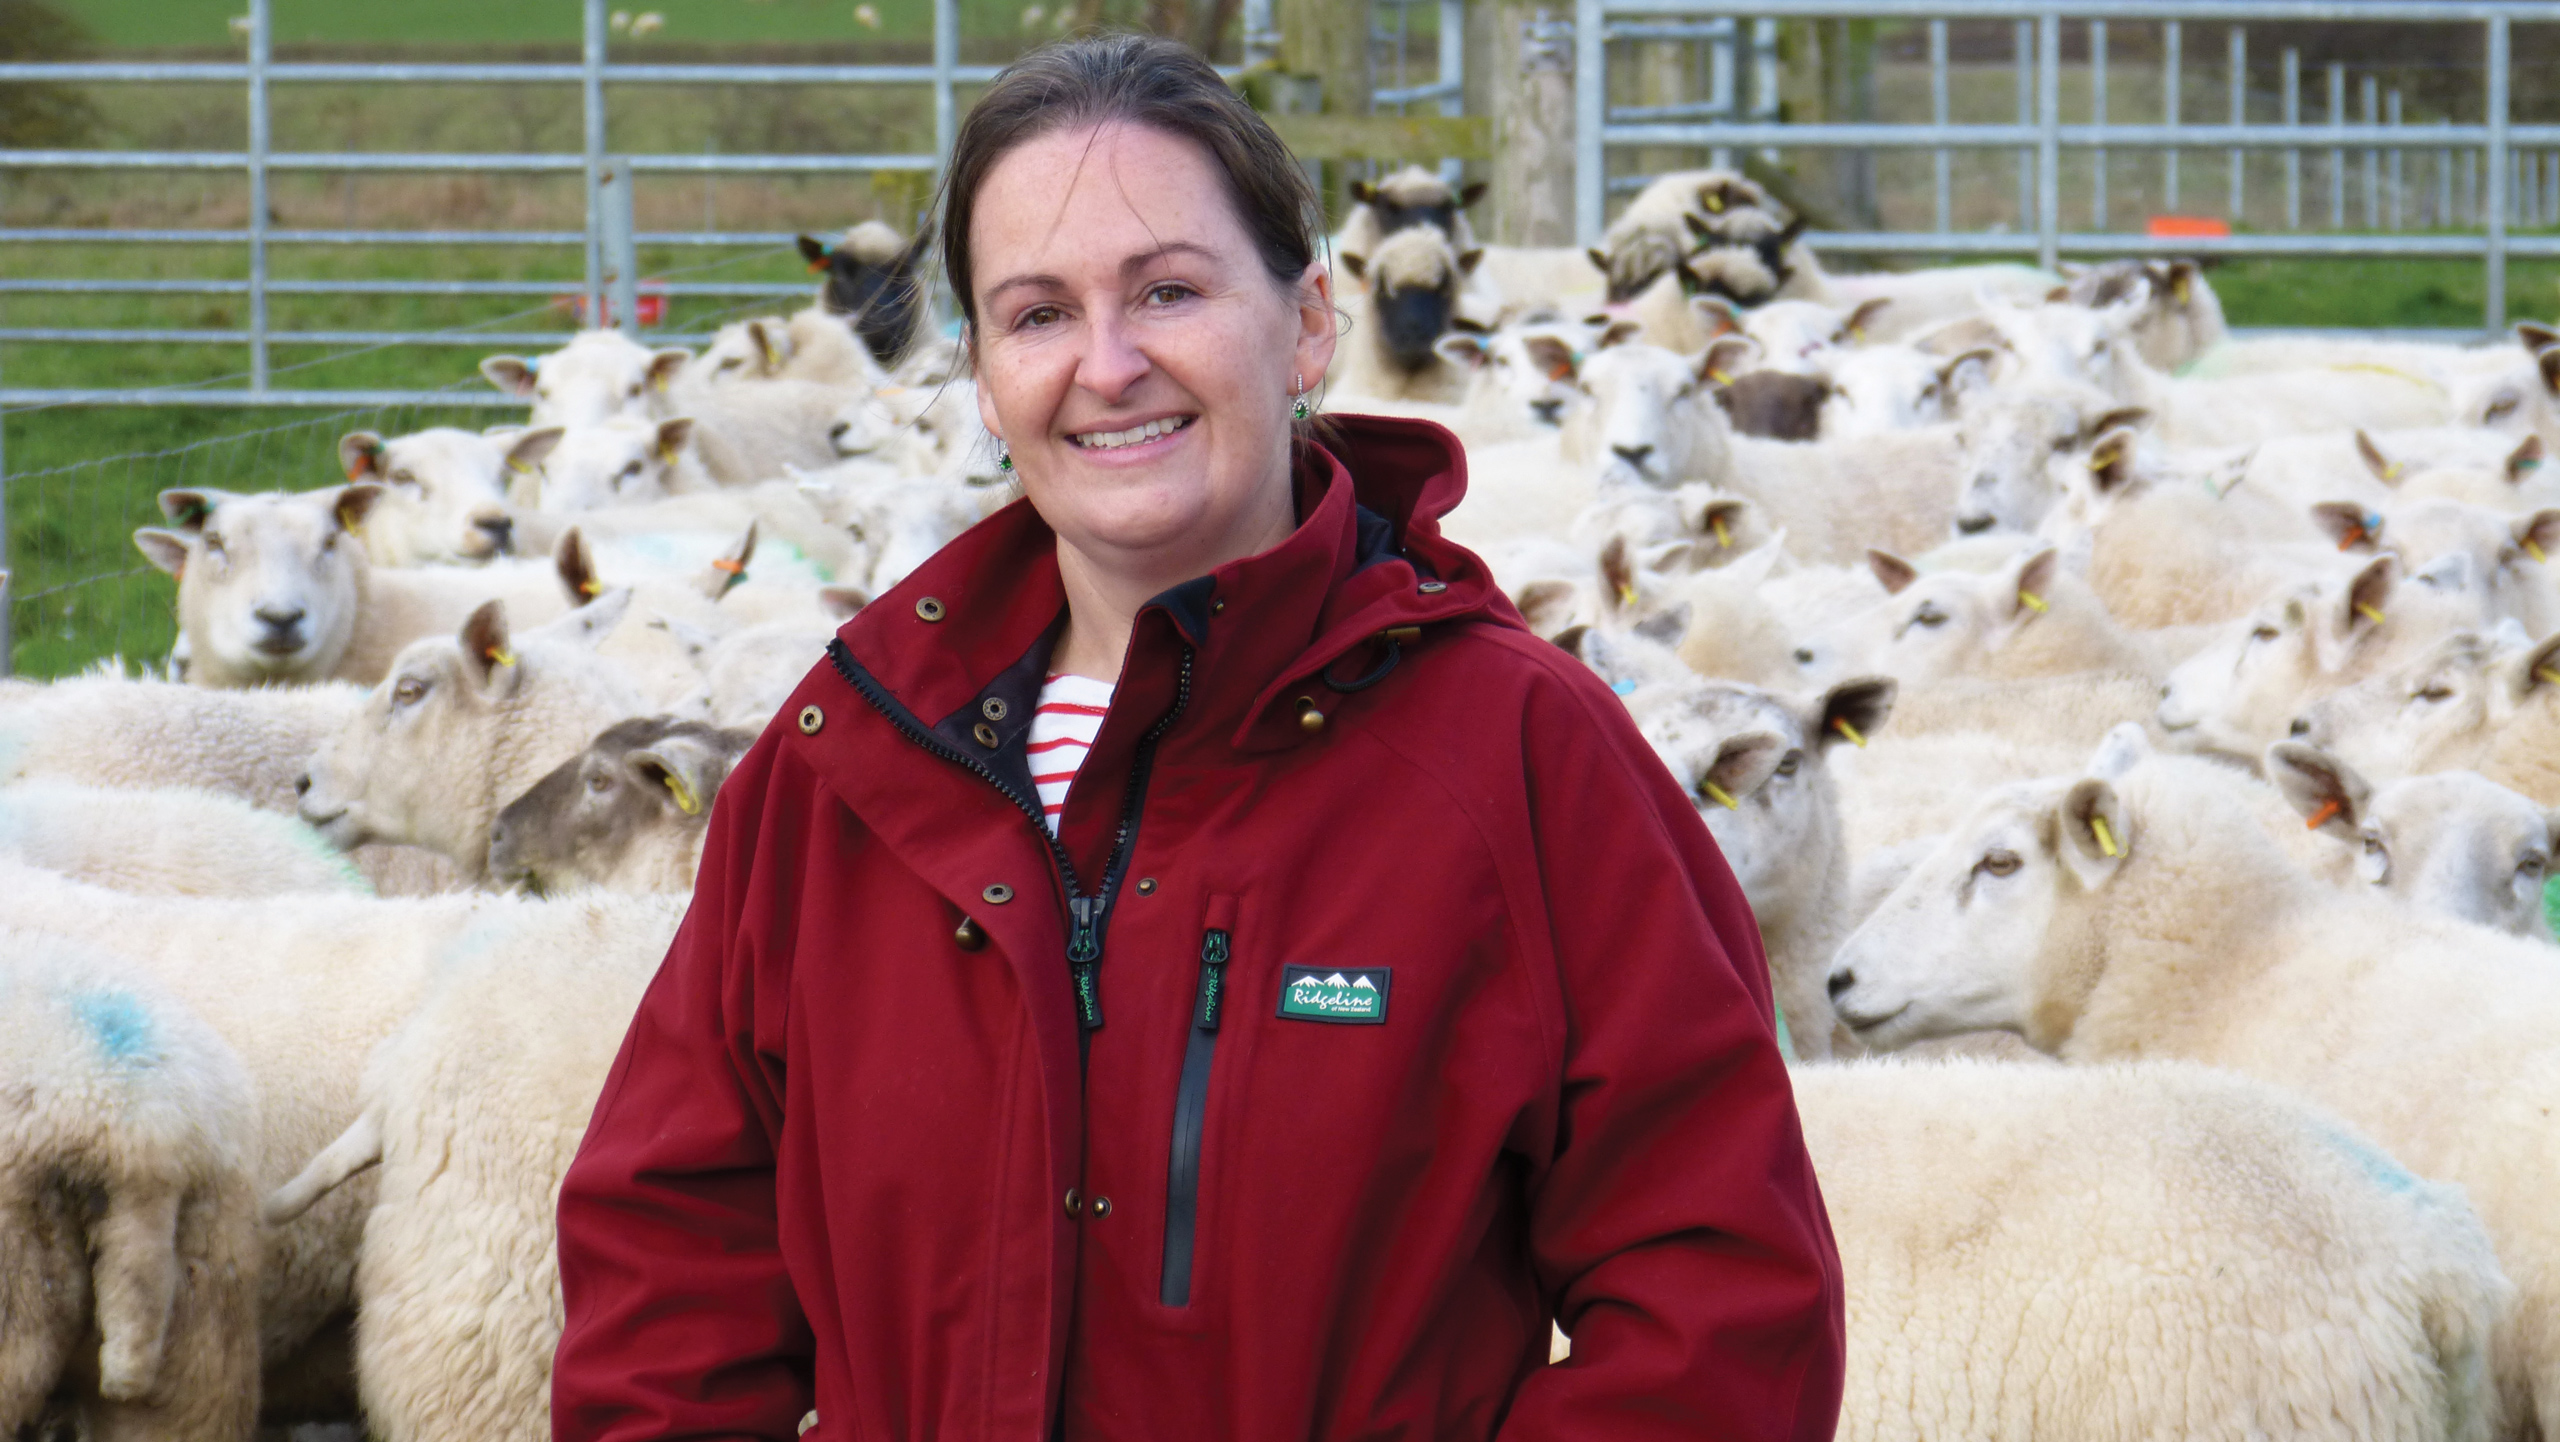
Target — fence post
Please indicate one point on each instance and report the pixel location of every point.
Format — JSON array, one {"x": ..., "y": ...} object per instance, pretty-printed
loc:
[
  {"x": 621, "y": 248},
  {"x": 2292, "y": 93},
  {"x": 2235, "y": 162},
  {"x": 2049, "y": 140},
  {"x": 2021, "y": 41},
  {"x": 1261, "y": 36},
  {"x": 2337, "y": 153},
  {"x": 1590, "y": 112},
  {"x": 591, "y": 85},
  {"x": 261, "y": 18},
  {"x": 2098, "y": 116},
  {"x": 946, "y": 58},
  {"x": 8, "y": 637},
  {"x": 1938, "y": 176},
  {"x": 2493, "y": 210},
  {"x": 2171, "y": 42}
]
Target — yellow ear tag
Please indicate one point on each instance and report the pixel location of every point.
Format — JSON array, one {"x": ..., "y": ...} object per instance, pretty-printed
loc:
[
  {"x": 502, "y": 656},
  {"x": 2391, "y": 470},
  {"x": 1627, "y": 595},
  {"x": 1715, "y": 204},
  {"x": 2106, "y": 838},
  {"x": 2369, "y": 613},
  {"x": 1724, "y": 537},
  {"x": 2327, "y": 809},
  {"x": 2178, "y": 292},
  {"x": 2033, "y": 602},
  {"x": 591, "y": 587},
  {"x": 2102, "y": 458},
  {"x": 1858, "y": 333},
  {"x": 658, "y": 381},
  {"x": 1720, "y": 796},
  {"x": 519, "y": 467},
  {"x": 1720, "y": 377},
  {"x": 2534, "y": 551},
  {"x": 772, "y": 362},
  {"x": 2546, "y": 675},
  {"x": 686, "y": 801},
  {"x": 1841, "y": 725},
  {"x": 666, "y": 453}
]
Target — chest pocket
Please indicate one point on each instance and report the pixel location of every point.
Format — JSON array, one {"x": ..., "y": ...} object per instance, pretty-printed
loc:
[{"x": 1191, "y": 1101}]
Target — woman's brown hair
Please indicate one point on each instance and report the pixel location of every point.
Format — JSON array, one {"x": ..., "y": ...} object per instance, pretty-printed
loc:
[{"x": 1144, "y": 80}]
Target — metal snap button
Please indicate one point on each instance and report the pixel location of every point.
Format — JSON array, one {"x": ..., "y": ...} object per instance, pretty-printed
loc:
[
  {"x": 1310, "y": 720},
  {"x": 993, "y": 708},
  {"x": 811, "y": 718},
  {"x": 970, "y": 936},
  {"x": 1075, "y": 1201},
  {"x": 1217, "y": 607},
  {"x": 1432, "y": 588},
  {"x": 929, "y": 608},
  {"x": 998, "y": 894},
  {"x": 1146, "y": 886},
  {"x": 1100, "y": 1207},
  {"x": 985, "y": 733}
]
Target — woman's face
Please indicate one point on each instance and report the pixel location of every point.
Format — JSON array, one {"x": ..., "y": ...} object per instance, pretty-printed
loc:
[{"x": 1134, "y": 354}]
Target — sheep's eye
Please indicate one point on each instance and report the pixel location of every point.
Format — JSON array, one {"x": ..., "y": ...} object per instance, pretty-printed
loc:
[
  {"x": 409, "y": 692},
  {"x": 600, "y": 782},
  {"x": 1999, "y": 862},
  {"x": 730, "y": 363},
  {"x": 213, "y": 544},
  {"x": 635, "y": 389},
  {"x": 2373, "y": 847},
  {"x": 1793, "y": 763},
  {"x": 2264, "y": 633},
  {"x": 403, "y": 478},
  {"x": 542, "y": 392},
  {"x": 2500, "y": 408},
  {"x": 1687, "y": 389},
  {"x": 2432, "y": 692},
  {"x": 2532, "y": 865},
  {"x": 2062, "y": 444},
  {"x": 630, "y": 472},
  {"x": 1928, "y": 615},
  {"x": 1804, "y": 655}
]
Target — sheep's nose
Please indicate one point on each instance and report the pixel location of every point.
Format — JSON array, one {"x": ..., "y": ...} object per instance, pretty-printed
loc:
[
  {"x": 1804, "y": 655},
  {"x": 1549, "y": 411},
  {"x": 501, "y": 531},
  {"x": 1632, "y": 455},
  {"x": 837, "y": 431},
  {"x": 1841, "y": 981},
  {"x": 279, "y": 619},
  {"x": 2301, "y": 726},
  {"x": 1973, "y": 525},
  {"x": 302, "y": 784}
]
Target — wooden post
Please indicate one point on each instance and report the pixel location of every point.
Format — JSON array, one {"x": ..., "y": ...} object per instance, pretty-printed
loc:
[
  {"x": 1531, "y": 70},
  {"x": 1329, "y": 39}
]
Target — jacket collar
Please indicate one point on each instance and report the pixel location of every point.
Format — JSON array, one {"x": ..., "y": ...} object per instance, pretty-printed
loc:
[{"x": 979, "y": 617}]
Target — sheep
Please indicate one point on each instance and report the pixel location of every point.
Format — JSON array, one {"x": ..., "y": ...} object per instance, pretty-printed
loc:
[
  {"x": 444, "y": 491},
  {"x": 463, "y": 725},
  {"x": 270, "y": 587},
  {"x": 598, "y": 374},
  {"x": 2470, "y": 701},
  {"x": 2238, "y": 695},
  {"x": 1518, "y": 279},
  {"x": 629, "y": 812},
  {"x": 2502, "y": 567},
  {"x": 1408, "y": 197},
  {"x": 1402, "y": 300},
  {"x": 474, "y": 1110},
  {"x": 679, "y": 534},
  {"x": 1519, "y": 375},
  {"x": 1899, "y": 388},
  {"x": 615, "y": 462},
  {"x": 126, "y": 1131},
  {"x": 2519, "y": 398},
  {"x": 167, "y": 842},
  {"x": 2246, "y": 409},
  {"x": 2455, "y": 842},
  {"x": 2136, "y": 911},
  {"x": 1650, "y": 236},
  {"x": 876, "y": 281},
  {"x": 756, "y": 432},
  {"x": 2076, "y": 709},
  {"x": 2181, "y": 549},
  {"x": 2027, "y": 618},
  {"x": 2008, "y": 435},
  {"x": 1752, "y": 763},
  {"x": 2179, "y": 317}
]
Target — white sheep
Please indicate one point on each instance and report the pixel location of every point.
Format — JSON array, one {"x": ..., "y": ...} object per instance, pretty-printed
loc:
[
  {"x": 127, "y": 1133},
  {"x": 1655, "y": 230},
  {"x": 617, "y": 461},
  {"x": 1400, "y": 301},
  {"x": 2453, "y": 842},
  {"x": 170, "y": 842},
  {"x": 2503, "y": 556},
  {"x": 2137, "y": 911},
  {"x": 629, "y": 812},
  {"x": 2483, "y": 703},
  {"x": 463, "y": 725},
  {"x": 2179, "y": 318},
  {"x": 2029, "y": 617},
  {"x": 597, "y": 374},
  {"x": 444, "y": 491}
]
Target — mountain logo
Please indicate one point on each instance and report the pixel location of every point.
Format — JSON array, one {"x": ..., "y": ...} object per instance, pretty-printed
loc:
[{"x": 1357, "y": 995}]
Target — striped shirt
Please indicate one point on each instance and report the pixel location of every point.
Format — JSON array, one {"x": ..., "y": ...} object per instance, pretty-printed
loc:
[{"x": 1062, "y": 730}]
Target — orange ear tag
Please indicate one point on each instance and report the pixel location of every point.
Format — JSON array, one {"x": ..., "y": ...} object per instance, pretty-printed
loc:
[
  {"x": 1724, "y": 537},
  {"x": 2327, "y": 809}
]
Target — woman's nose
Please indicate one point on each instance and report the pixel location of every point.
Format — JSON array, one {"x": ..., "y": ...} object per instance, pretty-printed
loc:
[{"x": 1112, "y": 361}]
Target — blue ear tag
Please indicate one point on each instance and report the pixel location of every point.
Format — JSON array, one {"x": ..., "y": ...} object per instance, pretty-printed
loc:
[{"x": 1623, "y": 686}]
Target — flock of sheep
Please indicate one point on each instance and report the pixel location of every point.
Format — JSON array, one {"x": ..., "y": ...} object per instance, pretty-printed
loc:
[{"x": 2063, "y": 679}]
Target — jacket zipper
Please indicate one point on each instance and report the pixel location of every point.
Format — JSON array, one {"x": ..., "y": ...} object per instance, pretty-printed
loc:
[
  {"x": 1190, "y": 1120},
  {"x": 1088, "y": 916}
]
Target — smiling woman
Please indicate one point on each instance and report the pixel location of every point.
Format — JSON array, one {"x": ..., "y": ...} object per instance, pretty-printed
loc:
[{"x": 1433, "y": 1016}]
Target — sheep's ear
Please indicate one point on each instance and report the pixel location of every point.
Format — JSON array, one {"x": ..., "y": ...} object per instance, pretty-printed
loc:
[
  {"x": 1599, "y": 259},
  {"x": 729, "y": 567},
  {"x": 531, "y": 447},
  {"x": 2325, "y": 790},
  {"x": 814, "y": 251},
  {"x": 2535, "y": 669},
  {"x": 1699, "y": 229},
  {"x": 664, "y": 364},
  {"x": 673, "y": 437},
  {"x": 1852, "y": 711},
  {"x": 2122, "y": 418},
  {"x": 1471, "y": 192},
  {"x": 1552, "y": 355},
  {"x": 575, "y": 565},
  {"x": 165, "y": 549},
  {"x": 2183, "y": 276},
  {"x": 2119, "y": 751},
  {"x": 681, "y": 769},
  {"x": 2385, "y": 469},
  {"x": 1469, "y": 259},
  {"x": 2548, "y": 365},
  {"x": 1892, "y": 572},
  {"x": 1572, "y": 640},
  {"x": 2111, "y": 462},
  {"x": 1352, "y": 262},
  {"x": 1863, "y": 319},
  {"x": 512, "y": 374},
  {"x": 1468, "y": 325},
  {"x": 2538, "y": 535},
  {"x": 360, "y": 455},
  {"x": 1546, "y": 606},
  {"x": 1966, "y": 372},
  {"x": 1743, "y": 765},
  {"x": 353, "y": 504},
  {"x": 2094, "y": 838},
  {"x": 1462, "y": 350},
  {"x": 2535, "y": 337},
  {"x": 1619, "y": 333},
  {"x": 1363, "y": 192},
  {"x": 2348, "y": 524},
  {"x": 841, "y": 602},
  {"x": 486, "y": 652},
  {"x": 2524, "y": 460},
  {"x": 2032, "y": 585},
  {"x": 1726, "y": 356},
  {"x": 1719, "y": 520},
  {"x": 189, "y": 510},
  {"x": 773, "y": 344},
  {"x": 1665, "y": 628},
  {"x": 2367, "y": 595},
  {"x": 1719, "y": 313},
  {"x": 1617, "y": 576}
]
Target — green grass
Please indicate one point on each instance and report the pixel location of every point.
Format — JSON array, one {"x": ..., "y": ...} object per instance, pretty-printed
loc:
[{"x": 2378, "y": 293}]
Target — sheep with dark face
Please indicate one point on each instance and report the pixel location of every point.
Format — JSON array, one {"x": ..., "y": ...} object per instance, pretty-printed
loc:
[
  {"x": 875, "y": 280},
  {"x": 627, "y": 813},
  {"x": 1410, "y": 197},
  {"x": 1404, "y": 299}
]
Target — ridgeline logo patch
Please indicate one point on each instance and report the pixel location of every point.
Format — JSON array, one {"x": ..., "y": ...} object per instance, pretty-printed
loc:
[{"x": 1355, "y": 994}]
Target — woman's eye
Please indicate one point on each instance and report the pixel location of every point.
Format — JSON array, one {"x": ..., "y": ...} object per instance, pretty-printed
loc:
[
  {"x": 1168, "y": 294},
  {"x": 1038, "y": 315},
  {"x": 2000, "y": 863}
]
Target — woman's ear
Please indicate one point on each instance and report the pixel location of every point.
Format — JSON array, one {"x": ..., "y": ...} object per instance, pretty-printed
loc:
[
  {"x": 1316, "y": 329},
  {"x": 986, "y": 397}
]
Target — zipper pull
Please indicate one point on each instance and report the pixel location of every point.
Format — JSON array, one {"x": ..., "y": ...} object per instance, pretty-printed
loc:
[
  {"x": 1213, "y": 978},
  {"x": 1084, "y": 957}
]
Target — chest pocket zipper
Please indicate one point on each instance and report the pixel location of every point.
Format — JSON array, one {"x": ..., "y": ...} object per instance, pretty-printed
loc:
[{"x": 1191, "y": 1105}]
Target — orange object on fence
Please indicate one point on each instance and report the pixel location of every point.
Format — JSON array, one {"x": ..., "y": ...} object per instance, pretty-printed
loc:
[{"x": 2185, "y": 226}]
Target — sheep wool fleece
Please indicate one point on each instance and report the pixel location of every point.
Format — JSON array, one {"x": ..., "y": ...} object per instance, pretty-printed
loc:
[{"x": 1287, "y": 1095}]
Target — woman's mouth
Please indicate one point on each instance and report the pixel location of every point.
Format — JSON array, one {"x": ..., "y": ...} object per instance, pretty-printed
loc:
[{"x": 1134, "y": 435}]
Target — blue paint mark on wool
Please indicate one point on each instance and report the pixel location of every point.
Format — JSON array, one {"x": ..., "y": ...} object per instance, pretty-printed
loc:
[
  {"x": 2377, "y": 1165},
  {"x": 118, "y": 1024}
]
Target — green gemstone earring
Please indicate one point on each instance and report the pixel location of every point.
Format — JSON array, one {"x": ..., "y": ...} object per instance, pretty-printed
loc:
[
  {"x": 1298, "y": 405},
  {"x": 1004, "y": 458}
]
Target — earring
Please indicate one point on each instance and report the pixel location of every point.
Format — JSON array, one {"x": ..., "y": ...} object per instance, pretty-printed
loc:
[
  {"x": 1004, "y": 458},
  {"x": 1298, "y": 403}
]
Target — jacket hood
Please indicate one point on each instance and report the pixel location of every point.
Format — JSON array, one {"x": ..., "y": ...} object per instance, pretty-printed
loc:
[{"x": 1366, "y": 559}]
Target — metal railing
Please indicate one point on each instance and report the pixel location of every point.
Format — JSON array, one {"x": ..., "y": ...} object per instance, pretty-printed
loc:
[{"x": 2510, "y": 173}]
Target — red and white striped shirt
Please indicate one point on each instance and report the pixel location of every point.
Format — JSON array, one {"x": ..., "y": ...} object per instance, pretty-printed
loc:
[{"x": 1062, "y": 731}]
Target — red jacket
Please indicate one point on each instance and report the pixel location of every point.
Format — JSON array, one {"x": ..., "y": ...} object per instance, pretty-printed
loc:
[{"x": 1419, "y": 1025}]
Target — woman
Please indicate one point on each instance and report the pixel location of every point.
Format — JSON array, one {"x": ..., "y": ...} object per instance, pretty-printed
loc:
[{"x": 1366, "y": 997}]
